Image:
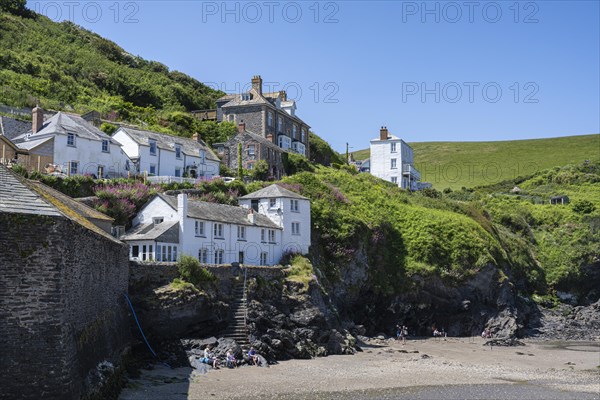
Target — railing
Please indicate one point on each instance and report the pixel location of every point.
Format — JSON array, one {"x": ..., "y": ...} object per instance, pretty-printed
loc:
[
  {"x": 170, "y": 179},
  {"x": 408, "y": 169},
  {"x": 245, "y": 299}
]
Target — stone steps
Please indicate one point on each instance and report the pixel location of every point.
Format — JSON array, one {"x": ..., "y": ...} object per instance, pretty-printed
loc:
[{"x": 236, "y": 328}]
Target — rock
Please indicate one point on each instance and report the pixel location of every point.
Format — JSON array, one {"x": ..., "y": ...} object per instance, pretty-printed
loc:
[{"x": 504, "y": 342}]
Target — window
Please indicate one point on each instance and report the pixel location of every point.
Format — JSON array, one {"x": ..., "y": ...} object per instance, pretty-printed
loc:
[
  {"x": 294, "y": 131},
  {"x": 393, "y": 147},
  {"x": 272, "y": 203},
  {"x": 263, "y": 236},
  {"x": 165, "y": 253},
  {"x": 199, "y": 228},
  {"x": 241, "y": 230},
  {"x": 152, "y": 147},
  {"x": 105, "y": 146},
  {"x": 270, "y": 118},
  {"x": 303, "y": 138},
  {"x": 150, "y": 254},
  {"x": 203, "y": 256},
  {"x": 73, "y": 167},
  {"x": 263, "y": 258},
  {"x": 178, "y": 151},
  {"x": 284, "y": 142},
  {"x": 241, "y": 257},
  {"x": 178, "y": 172},
  {"x": 158, "y": 220},
  {"x": 71, "y": 139},
  {"x": 230, "y": 117},
  {"x": 203, "y": 156},
  {"x": 393, "y": 163},
  {"x": 218, "y": 256},
  {"x": 280, "y": 124},
  {"x": 394, "y": 179},
  {"x": 254, "y": 205},
  {"x": 127, "y": 166},
  {"x": 158, "y": 252},
  {"x": 218, "y": 230},
  {"x": 271, "y": 236},
  {"x": 152, "y": 169},
  {"x": 246, "y": 96},
  {"x": 251, "y": 152},
  {"x": 295, "y": 228},
  {"x": 294, "y": 206},
  {"x": 135, "y": 251}
]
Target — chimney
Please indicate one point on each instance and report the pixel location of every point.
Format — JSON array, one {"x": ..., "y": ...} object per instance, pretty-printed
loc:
[
  {"x": 37, "y": 119},
  {"x": 251, "y": 216},
  {"x": 196, "y": 137},
  {"x": 257, "y": 84},
  {"x": 242, "y": 127},
  {"x": 283, "y": 95},
  {"x": 383, "y": 133},
  {"x": 270, "y": 137}
]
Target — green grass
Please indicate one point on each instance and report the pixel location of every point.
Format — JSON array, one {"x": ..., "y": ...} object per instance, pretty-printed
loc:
[{"x": 470, "y": 164}]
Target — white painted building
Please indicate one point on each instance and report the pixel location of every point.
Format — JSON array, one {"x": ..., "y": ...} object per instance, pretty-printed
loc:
[
  {"x": 73, "y": 144},
  {"x": 159, "y": 154},
  {"x": 392, "y": 159},
  {"x": 270, "y": 223}
]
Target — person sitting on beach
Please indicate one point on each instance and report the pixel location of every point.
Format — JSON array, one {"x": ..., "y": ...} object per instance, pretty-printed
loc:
[
  {"x": 486, "y": 334},
  {"x": 252, "y": 356},
  {"x": 230, "y": 360},
  {"x": 436, "y": 333},
  {"x": 209, "y": 358}
]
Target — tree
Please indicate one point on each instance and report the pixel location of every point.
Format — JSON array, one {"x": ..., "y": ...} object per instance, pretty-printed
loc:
[
  {"x": 16, "y": 7},
  {"x": 260, "y": 172},
  {"x": 240, "y": 168}
]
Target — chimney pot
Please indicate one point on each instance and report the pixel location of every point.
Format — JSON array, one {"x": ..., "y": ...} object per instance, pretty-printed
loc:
[
  {"x": 37, "y": 119},
  {"x": 196, "y": 137},
  {"x": 383, "y": 133},
  {"x": 242, "y": 127}
]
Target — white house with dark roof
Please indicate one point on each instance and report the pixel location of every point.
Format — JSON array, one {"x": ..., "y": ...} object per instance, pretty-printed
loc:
[
  {"x": 159, "y": 154},
  {"x": 392, "y": 159},
  {"x": 269, "y": 223},
  {"x": 73, "y": 144}
]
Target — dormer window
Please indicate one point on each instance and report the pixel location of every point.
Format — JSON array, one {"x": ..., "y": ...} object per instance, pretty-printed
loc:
[
  {"x": 178, "y": 151},
  {"x": 152, "y": 147},
  {"x": 246, "y": 96},
  {"x": 158, "y": 220},
  {"x": 105, "y": 146},
  {"x": 71, "y": 139}
]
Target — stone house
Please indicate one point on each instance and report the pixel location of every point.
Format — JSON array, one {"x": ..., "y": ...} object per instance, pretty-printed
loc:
[
  {"x": 159, "y": 154},
  {"x": 63, "y": 310},
  {"x": 267, "y": 224},
  {"x": 270, "y": 115},
  {"x": 392, "y": 159},
  {"x": 73, "y": 144},
  {"x": 254, "y": 149}
]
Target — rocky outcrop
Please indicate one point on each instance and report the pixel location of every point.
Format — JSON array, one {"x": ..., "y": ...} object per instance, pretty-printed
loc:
[{"x": 567, "y": 322}]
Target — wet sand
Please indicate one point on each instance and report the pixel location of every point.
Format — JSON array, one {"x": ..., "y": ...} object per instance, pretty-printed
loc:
[{"x": 455, "y": 368}]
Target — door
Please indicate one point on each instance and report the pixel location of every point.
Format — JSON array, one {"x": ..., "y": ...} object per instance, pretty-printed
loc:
[{"x": 241, "y": 257}]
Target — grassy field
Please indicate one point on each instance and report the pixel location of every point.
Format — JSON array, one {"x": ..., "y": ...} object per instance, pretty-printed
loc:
[{"x": 458, "y": 164}]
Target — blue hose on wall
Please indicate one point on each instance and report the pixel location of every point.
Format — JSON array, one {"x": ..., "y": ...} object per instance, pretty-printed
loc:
[{"x": 141, "y": 331}]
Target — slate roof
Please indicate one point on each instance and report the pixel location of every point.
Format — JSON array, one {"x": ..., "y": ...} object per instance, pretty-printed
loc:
[
  {"x": 16, "y": 197},
  {"x": 221, "y": 213},
  {"x": 262, "y": 140},
  {"x": 271, "y": 191},
  {"x": 11, "y": 127},
  {"x": 166, "y": 232},
  {"x": 62, "y": 123},
  {"x": 31, "y": 144},
  {"x": 164, "y": 141}
]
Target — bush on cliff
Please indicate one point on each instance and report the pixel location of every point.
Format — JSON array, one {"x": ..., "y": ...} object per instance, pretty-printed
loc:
[{"x": 191, "y": 271}]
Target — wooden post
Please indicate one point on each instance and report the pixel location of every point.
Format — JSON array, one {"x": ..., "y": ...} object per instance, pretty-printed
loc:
[{"x": 38, "y": 163}]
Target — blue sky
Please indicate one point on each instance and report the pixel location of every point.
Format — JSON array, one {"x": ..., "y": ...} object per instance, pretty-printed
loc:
[{"x": 429, "y": 71}]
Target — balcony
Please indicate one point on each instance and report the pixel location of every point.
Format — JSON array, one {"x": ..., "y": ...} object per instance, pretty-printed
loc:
[{"x": 411, "y": 172}]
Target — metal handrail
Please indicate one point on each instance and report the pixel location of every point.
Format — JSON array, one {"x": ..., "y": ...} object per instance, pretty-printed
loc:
[{"x": 245, "y": 299}]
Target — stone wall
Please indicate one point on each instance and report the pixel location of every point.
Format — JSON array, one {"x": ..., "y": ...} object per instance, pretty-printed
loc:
[{"x": 62, "y": 306}]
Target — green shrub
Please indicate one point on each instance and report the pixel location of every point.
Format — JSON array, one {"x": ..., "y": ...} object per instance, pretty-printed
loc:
[
  {"x": 191, "y": 271},
  {"x": 583, "y": 206}
]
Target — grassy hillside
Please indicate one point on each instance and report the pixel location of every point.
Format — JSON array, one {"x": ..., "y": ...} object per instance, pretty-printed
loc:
[
  {"x": 470, "y": 164},
  {"x": 62, "y": 66}
]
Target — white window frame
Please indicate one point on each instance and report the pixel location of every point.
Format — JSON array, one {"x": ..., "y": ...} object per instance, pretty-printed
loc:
[
  {"x": 73, "y": 171},
  {"x": 178, "y": 151},
  {"x": 218, "y": 231},
  {"x": 279, "y": 123},
  {"x": 272, "y": 237},
  {"x": 158, "y": 220},
  {"x": 203, "y": 255},
  {"x": 393, "y": 163},
  {"x": 296, "y": 228},
  {"x": 152, "y": 167},
  {"x": 71, "y": 139},
  {"x": 294, "y": 206},
  {"x": 105, "y": 146},
  {"x": 263, "y": 258},
  {"x": 272, "y": 203},
  {"x": 199, "y": 228},
  {"x": 178, "y": 172},
  {"x": 241, "y": 232},
  {"x": 153, "y": 145},
  {"x": 219, "y": 256},
  {"x": 295, "y": 131},
  {"x": 263, "y": 235},
  {"x": 394, "y": 179},
  {"x": 303, "y": 138},
  {"x": 269, "y": 118},
  {"x": 393, "y": 147}
]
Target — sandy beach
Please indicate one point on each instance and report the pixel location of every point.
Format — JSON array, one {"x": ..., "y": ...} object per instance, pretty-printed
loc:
[{"x": 459, "y": 368}]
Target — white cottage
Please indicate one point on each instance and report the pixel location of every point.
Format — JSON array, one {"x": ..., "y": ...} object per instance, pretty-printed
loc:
[
  {"x": 159, "y": 154},
  {"x": 73, "y": 144},
  {"x": 257, "y": 233},
  {"x": 392, "y": 159}
]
